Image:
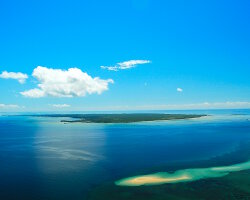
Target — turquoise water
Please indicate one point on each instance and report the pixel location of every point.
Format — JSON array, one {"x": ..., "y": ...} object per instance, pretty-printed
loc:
[
  {"x": 42, "y": 158},
  {"x": 184, "y": 175}
]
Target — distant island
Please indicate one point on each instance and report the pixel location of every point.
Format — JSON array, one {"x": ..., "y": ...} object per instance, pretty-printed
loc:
[{"x": 121, "y": 118}]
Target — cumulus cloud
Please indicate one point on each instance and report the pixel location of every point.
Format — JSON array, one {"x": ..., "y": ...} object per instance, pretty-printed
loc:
[
  {"x": 179, "y": 90},
  {"x": 60, "y": 105},
  {"x": 20, "y": 77},
  {"x": 9, "y": 106},
  {"x": 65, "y": 83},
  {"x": 125, "y": 65}
]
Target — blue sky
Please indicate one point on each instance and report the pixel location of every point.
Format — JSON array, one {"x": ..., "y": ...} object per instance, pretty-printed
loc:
[{"x": 201, "y": 47}]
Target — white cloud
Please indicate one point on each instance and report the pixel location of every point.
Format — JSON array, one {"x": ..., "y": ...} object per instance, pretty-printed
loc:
[
  {"x": 33, "y": 93},
  {"x": 9, "y": 106},
  {"x": 20, "y": 77},
  {"x": 65, "y": 83},
  {"x": 60, "y": 105},
  {"x": 179, "y": 90},
  {"x": 125, "y": 65}
]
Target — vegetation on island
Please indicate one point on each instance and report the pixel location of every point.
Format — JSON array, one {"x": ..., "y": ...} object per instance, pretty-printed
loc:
[{"x": 121, "y": 118}]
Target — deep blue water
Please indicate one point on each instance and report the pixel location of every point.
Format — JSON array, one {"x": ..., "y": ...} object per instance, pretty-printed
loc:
[{"x": 41, "y": 158}]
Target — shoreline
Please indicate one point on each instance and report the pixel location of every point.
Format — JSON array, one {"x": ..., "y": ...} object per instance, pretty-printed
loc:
[
  {"x": 127, "y": 118},
  {"x": 118, "y": 118}
]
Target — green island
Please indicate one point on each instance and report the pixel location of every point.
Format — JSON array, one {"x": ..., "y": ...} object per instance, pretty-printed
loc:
[{"x": 121, "y": 118}]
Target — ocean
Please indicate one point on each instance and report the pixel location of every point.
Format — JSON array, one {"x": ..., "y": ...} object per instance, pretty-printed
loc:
[{"x": 42, "y": 158}]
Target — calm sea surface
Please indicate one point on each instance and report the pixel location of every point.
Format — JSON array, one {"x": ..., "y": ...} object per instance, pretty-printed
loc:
[{"x": 41, "y": 158}]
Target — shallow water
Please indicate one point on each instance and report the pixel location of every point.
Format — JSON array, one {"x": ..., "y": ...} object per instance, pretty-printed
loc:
[
  {"x": 42, "y": 158},
  {"x": 184, "y": 175}
]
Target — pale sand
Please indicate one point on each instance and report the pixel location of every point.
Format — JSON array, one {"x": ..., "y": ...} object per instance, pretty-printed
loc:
[
  {"x": 144, "y": 180},
  {"x": 185, "y": 175}
]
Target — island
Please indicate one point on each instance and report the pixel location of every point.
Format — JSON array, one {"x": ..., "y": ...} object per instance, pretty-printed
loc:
[{"x": 120, "y": 118}]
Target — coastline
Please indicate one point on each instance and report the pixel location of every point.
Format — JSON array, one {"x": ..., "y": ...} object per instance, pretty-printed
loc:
[{"x": 127, "y": 118}]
